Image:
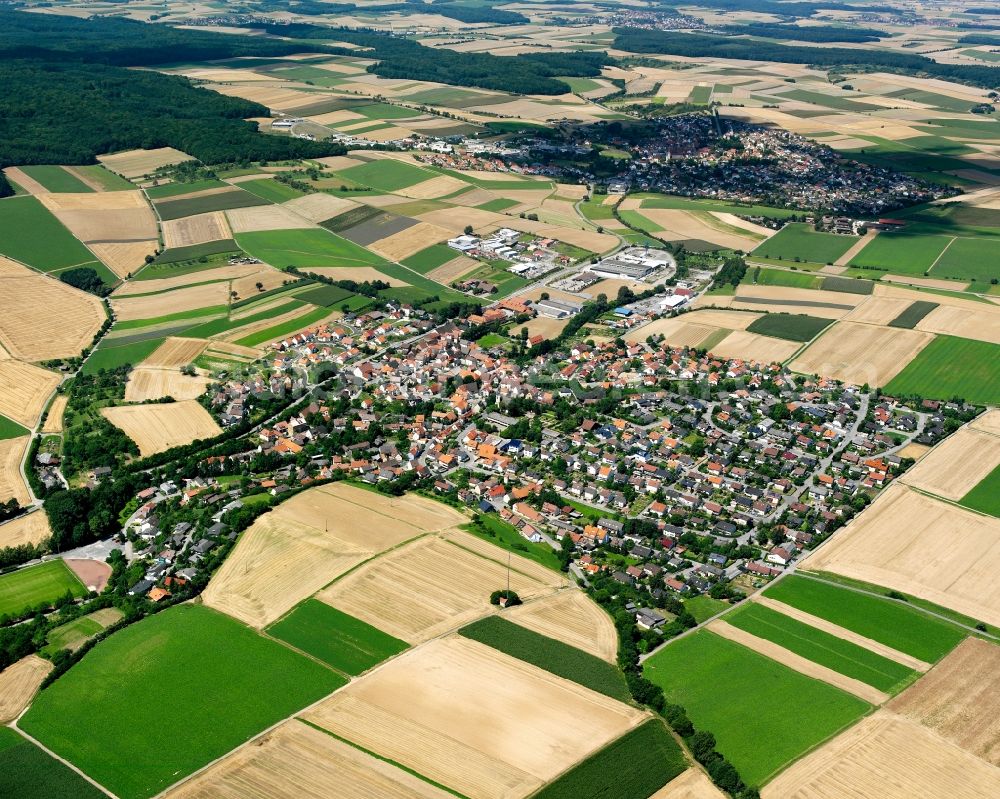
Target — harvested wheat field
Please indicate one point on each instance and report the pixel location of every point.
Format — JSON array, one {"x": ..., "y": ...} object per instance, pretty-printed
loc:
[
  {"x": 19, "y": 684},
  {"x": 453, "y": 269},
  {"x": 455, "y": 222},
  {"x": 798, "y": 663},
  {"x": 440, "y": 186},
  {"x": 679, "y": 333},
  {"x": 124, "y": 258},
  {"x": 175, "y": 352},
  {"x": 589, "y": 240},
  {"x": 878, "y": 310},
  {"x": 859, "y": 354},
  {"x": 982, "y": 325},
  {"x": 889, "y": 757},
  {"x": 914, "y": 451},
  {"x": 573, "y": 618},
  {"x": 319, "y": 207},
  {"x": 54, "y": 417},
  {"x": 11, "y": 484},
  {"x": 692, "y": 784},
  {"x": 296, "y": 761},
  {"x": 153, "y": 384},
  {"x": 544, "y": 326},
  {"x": 959, "y": 699},
  {"x": 170, "y": 302},
  {"x": 473, "y": 719},
  {"x": 433, "y": 585},
  {"x": 24, "y": 180},
  {"x": 136, "y": 163},
  {"x": 25, "y": 391},
  {"x": 196, "y": 229},
  {"x": 268, "y": 277},
  {"x": 956, "y": 465},
  {"x": 921, "y": 546},
  {"x": 988, "y": 422},
  {"x": 755, "y": 347},
  {"x": 265, "y": 217},
  {"x": 679, "y": 225},
  {"x": 114, "y": 216},
  {"x": 357, "y": 273},
  {"x": 29, "y": 528},
  {"x": 303, "y": 544},
  {"x": 235, "y": 334},
  {"x": 165, "y": 284},
  {"x": 709, "y": 317},
  {"x": 779, "y": 299},
  {"x": 156, "y": 428},
  {"x": 67, "y": 325},
  {"x": 407, "y": 242}
]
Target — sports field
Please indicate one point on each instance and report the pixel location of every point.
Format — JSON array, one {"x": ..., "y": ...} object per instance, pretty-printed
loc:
[
  {"x": 31, "y": 234},
  {"x": 882, "y": 620},
  {"x": 305, "y": 248},
  {"x": 763, "y": 714},
  {"x": 346, "y": 643},
  {"x": 220, "y": 682},
  {"x": 985, "y": 496},
  {"x": 952, "y": 367},
  {"x": 26, "y": 772},
  {"x": 37, "y": 585},
  {"x": 798, "y": 240}
]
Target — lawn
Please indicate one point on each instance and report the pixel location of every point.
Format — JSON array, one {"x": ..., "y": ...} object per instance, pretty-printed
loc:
[
  {"x": 970, "y": 259},
  {"x": 271, "y": 190},
  {"x": 635, "y": 766},
  {"x": 497, "y": 531},
  {"x": 763, "y": 715},
  {"x": 882, "y": 620},
  {"x": 56, "y": 179},
  {"x": 212, "y": 681},
  {"x": 822, "y": 647},
  {"x": 386, "y": 174},
  {"x": 704, "y": 607},
  {"x": 305, "y": 248},
  {"x": 32, "y": 235},
  {"x": 782, "y": 277},
  {"x": 344, "y": 642},
  {"x": 798, "y": 240},
  {"x": 551, "y": 655},
  {"x": 11, "y": 429},
  {"x": 37, "y": 585},
  {"x": 26, "y": 772},
  {"x": 430, "y": 259},
  {"x": 902, "y": 253},
  {"x": 791, "y": 327},
  {"x": 487, "y": 341},
  {"x": 985, "y": 496},
  {"x": 952, "y": 367},
  {"x": 912, "y": 314}
]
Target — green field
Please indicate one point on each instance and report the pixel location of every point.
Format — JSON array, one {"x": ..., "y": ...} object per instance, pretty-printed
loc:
[
  {"x": 847, "y": 285},
  {"x": 985, "y": 495},
  {"x": 970, "y": 259},
  {"x": 498, "y": 205},
  {"x": 175, "y": 189},
  {"x": 791, "y": 327},
  {"x": 952, "y": 367},
  {"x": 37, "y": 585},
  {"x": 74, "y": 633},
  {"x": 305, "y": 248},
  {"x": 385, "y": 111},
  {"x": 56, "y": 179},
  {"x": 783, "y": 277},
  {"x": 271, "y": 190},
  {"x": 26, "y": 772},
  {"x": 547, "y": 653},
  {"x": 386, "y": 174},
  {"x": 344, "y": 642},
  {"x": 763, "y": 714},
  {"x": 822, "y": 647},
  {"x": 218, "y": 680},
  {"x": 431, "y": 258},
  {"x": 109, "y": 180},
  {"x": 105, "y": 357},
  {"x": 912, "y": 314},
  {"x": 32, "y": 235},
  {"x": 285, "y": 328},
  {"x": 798, "y": 240},
  {"x": 325, "y": 295},
  {"x": 902, "y": 253},
  {"x": 11, "y": 429},
  {"x": 492, "y": 340},
  {"x": 882, "y": 620},
  {"x": 635, "y": 766},
  {"x": 704, "y": 607},
  {"x": 203, "y": 203},
  {"x": 669, "y": 201}
]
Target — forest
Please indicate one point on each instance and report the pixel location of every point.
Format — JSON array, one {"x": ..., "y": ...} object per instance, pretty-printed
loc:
[
  {"x": 807, "y": 33},
  {"x": 707, "y": 45}
]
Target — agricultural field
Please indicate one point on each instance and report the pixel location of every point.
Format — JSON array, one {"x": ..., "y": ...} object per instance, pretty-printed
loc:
[
  {"x": 25, "y": 391},
  {"x": 792, "y": 327},
  {"x": 157, "y": 428},
  {"x": 958, "y": 464},
  {"x": 902, "y": 253},
  {"x": 196, "y": 659},
  {"x": 29, "y": 233},
  {"x": 30, "y": 773},
  {"x": 572, "y": 618},
  {"x": 18, "y": 684},
  {"x": 28, "y": 528},
  {"x": 12, "y": 485},
  {"x": 37, "y": 585},
  {"x": 984, "y": 496},
  {"x": 969, "y": 259},
  {"x": 305, "y": 248},
  {"x": 799, "y": 242},
  {"x": 763, "y": 714},
  {"x": 912, "y": 314},
  {"x": 76, "y": 633},
  {"x": 951, "y": 367}
]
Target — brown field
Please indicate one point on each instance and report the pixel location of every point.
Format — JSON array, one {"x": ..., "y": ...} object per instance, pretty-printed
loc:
[
  {"x": 54, "y": 418},
  {"x": 888, "y": 757},
  {"x": 759, "y": 232},
  {"x": 18, "y": 685},
  {"x": 319, "y": 207},
  {"x": 195, "y": 229},
  {"x": 303, "y": 544},
  {"x": 543, "y": 326},
  {"x": 156, "y": 428},
  {"x": 149, "y": 384},
  {"x": 958, "y": 699},
  {"x": 234, "y": 350},
  {"x": 440, "y": 186},
  {"x": 265, "y": 217},
  {"x": 11, "y": 484},
  {"x": 476, "y": 720},
  {"x": 453, "y": 269},
  {"x": 573, "y": 618},
  {"x": 218, "y": 273},
  {"x": 296, "y": 761},
  {"x": 964, "y": 322},
  {"x": 755, "y": 347},
  {"x": 114, "y": 216},
  {"x": 709, "y": 317},
  {"x": 124, "y": 258},
  {"x": 692, "y": 784},
  {"x": 183, "y": 299},
  {"x": 956, "y": 465},
  {"x": 29, "y": 528},
  {"x": 357, "y": 273},
  {"x": 798, "y": 663},
  {"x": 433, "y": 585},
  {"x": 175, "y": 352},
  {"x": 915, "y": 451},
  {"x": 407, "y": 242},
  {"x": 898, "y": 543},
  {"x": 842, "y": 632},
  {"x": 861, "y": 354},
  {"x": 679, "y": 332},
  {"x": 268, "y": 276},
  {"x": 25, "y": 391},
  {"x": 43, "y": 318},
  {"x": 136, "y": 163}
]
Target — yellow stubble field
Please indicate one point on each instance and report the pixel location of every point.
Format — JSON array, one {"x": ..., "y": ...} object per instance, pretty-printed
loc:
[
  {"x": 25, "y": 391},
  {"x": 956, "y": 465},
  {"x": 18, "y": 684},
  {"x": 29, "y": 528},
  {"x": 11, "y": 484},
  {"x": 156, "y": 428},
  {"x": 573, "y": 618}
]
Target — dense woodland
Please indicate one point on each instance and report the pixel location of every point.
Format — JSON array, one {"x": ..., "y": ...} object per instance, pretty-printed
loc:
[
  {"x": 707, "y": 45},
  {"x": 808, "y": 33}
]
